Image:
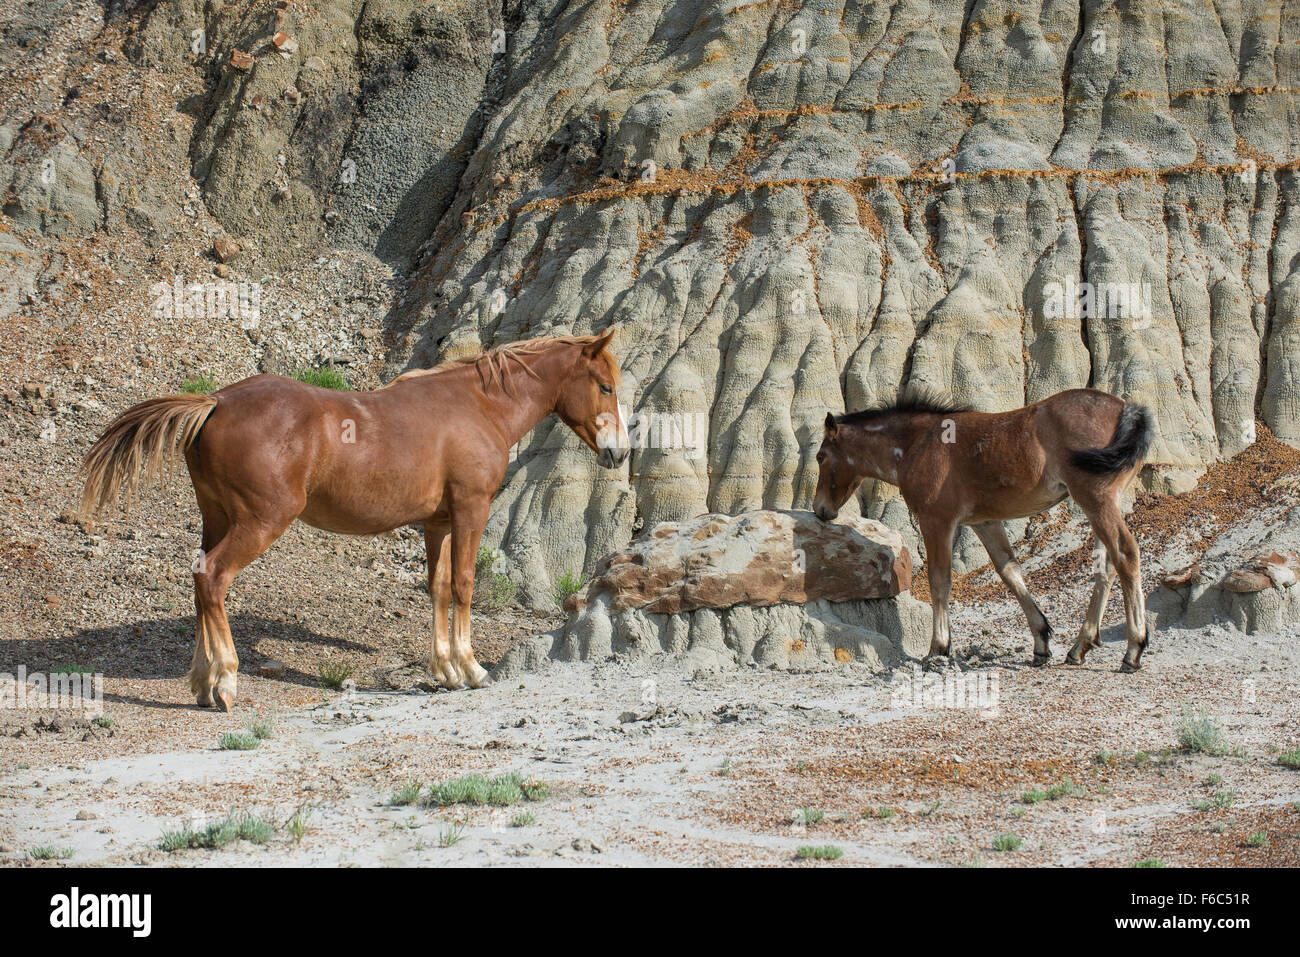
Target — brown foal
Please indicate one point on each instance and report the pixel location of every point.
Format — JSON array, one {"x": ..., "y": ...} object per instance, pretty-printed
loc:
[
  {"x": 978, "y": 468},
  {"x": 430, "y": 448}
]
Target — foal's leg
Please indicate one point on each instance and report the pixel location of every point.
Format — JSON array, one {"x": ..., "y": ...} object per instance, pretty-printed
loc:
[
  {"x": 1103, "y": 576},
  {"x": 1102, "y": 508},
  {"x": 437, "y": 547},
  {"x": 213, "y": 671},
  {"x": 994, "y": 537},
  {"x": 467, "y": 522},
  {"x": 938, "y": 565},
  {"x": 215, "y": 526}
]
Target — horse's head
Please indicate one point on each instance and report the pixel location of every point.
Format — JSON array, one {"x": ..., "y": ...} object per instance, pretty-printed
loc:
[
  {"x": 588, "y": 402},
  {"x": 837, "y": 475}
]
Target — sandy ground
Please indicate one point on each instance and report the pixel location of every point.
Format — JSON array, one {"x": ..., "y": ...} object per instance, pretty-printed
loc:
[{"x": 647, "y": 765}]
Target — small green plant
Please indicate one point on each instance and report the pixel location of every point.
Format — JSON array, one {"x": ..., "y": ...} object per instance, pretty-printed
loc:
[
  {"x": 238, "y": 741},
  {"x": 523, "y": 819},
  {"x": 326, "y": 378},
  {"x": 1220, "y": 801},
  {"x": 1214, "y": 780},
  {"x": 880, "y": 813},
  {"x": 70, "y": 670},
  {"x": 1258, "y": 839},
  {"x": 1149, "y": 862},
  {"x": 450, "y": 836},
  {"x": 724, "y": 769},
  {"x": 1104, "y": 757},
  {"x": 801, "y": 766},
  {"x": 202, "y": 384},
  {"x": 237, "y": 826},
  {"x": 566, "y": 585},
  {"x": 102, "y": 722},
  {"x": 929, "y": 811},
  {"x": 807, "y": 816},
  {"x": 261, "y": 726},
  {"x": 501, "y": 791},
  {"x": 493, "y": 589},
  {"x": 48, "y": 852},
  {"x": 408, "y": 793},
  {"x": 1006, "y": 842},
  {"x": 1066, "y": 788},
  {"x": 297, "y": 825},
  {"x": 824, "y": 852},
  {"x": 1198, "y": 732},
  {"x": 1289, "y": 759},
  {"x": 333, "y": 674}
]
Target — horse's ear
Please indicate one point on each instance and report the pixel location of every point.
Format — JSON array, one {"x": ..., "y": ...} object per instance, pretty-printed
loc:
[
  {"x": 592, "y": 349},
  {"x": 831, "y": 426}
]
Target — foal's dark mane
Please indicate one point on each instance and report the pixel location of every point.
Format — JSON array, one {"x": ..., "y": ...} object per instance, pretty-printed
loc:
[{"x": 915, "y": 403}]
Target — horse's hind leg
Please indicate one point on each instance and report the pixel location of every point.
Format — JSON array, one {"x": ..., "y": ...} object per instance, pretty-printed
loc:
[
  {"x": 994, "y": 537},
  {"x": 467, "y": 522},
  {"x": 437, "y": 547},
  {"x": 215, "y": 526},
  {"x": 1101, "y": 505},
  {"x": 213, "y": 672},
  {"x": 1103, "y": 576}
]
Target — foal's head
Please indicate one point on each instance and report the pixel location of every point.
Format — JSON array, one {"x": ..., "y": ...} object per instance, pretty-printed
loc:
[
  {"x": 837, "y": 473},
  {"x": 588, "y": 402}
]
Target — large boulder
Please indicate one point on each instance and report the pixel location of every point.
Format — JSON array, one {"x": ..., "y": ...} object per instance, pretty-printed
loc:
[{"x": 778, "y": 589}]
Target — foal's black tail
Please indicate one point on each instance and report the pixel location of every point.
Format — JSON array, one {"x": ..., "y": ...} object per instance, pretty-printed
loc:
[{"x": 1128, "y": 446}]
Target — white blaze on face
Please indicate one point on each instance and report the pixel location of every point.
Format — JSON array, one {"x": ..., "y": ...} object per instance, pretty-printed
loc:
[{"x": 611, "y": 431}]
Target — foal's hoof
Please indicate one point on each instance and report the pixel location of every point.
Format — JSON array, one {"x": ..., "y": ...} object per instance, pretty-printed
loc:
[
  {"x": 1127, "y": 668},
  {"x": 1073, "y": 659},
  {"x": 1041, "y": 661},
  {"x": 204, "y": 700},
  {"x": 223, "y": 695}
]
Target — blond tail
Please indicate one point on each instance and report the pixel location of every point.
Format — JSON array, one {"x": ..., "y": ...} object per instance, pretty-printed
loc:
[{"x": 142, "y": 441}]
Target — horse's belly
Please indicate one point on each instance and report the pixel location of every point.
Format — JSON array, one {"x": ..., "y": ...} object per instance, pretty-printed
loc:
[{"x": 368, "y": 510}]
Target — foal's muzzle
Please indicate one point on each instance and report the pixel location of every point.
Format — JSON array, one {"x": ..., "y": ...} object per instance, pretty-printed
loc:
[
  {"x": 611, "y": 458},
  {"x": 825, "y": 513}
]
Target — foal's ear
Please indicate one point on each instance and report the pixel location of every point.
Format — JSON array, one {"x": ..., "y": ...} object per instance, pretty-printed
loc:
[
  {"x": 592, "y": 349},
  {"x": 831, "y": 426}
]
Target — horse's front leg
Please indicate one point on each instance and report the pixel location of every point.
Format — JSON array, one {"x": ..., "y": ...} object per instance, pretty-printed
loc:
[
  {"x": 467, "y": 524},
  {"x": 938, "y": 537},
  {"x": 437, "y": 548}
]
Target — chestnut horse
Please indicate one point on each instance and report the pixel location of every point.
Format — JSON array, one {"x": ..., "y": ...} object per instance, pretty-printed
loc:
[
  {"x": 958, "y": 467},
  {"x": 431, "y": 448}
]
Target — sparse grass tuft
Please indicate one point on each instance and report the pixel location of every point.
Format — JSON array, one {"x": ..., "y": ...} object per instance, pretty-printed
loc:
[
  {"x": 297, "y": 825},
  {"x": 450, "y": 836},
  {"x": 502, "y": 791},
  {"x": 408, "y": 793},
  {"x": 1066, "y": 788},
  {"x": 1258, "y": 839},
  {"x": 200, "y": 384},
  {"x": 523, "y": 819},
  {"x": 48, "y": 852},
  {"x": 1220, "y": 801},
  {"x": 1150, "y": 862},
  {"x": 236, "y": 826},
  {"x": 102, "y": 722},
  {"x": 807, "y": 816},
  {"x": 1197, "y": 732},
  {"x": 1006, "y": 842},
  {"x": 880, "y": 813},
  {"x": 326, "y": 378},
  {"x": 566, "y": 585},
  {"x": 825, "y": 852},
  {"x": 261, "y": 726},
  {"x": 238, "y": 741},
  {"x": 493, "y": 589},
  {"x": 333, "y": 675},
  {"x": 1289, "y": 759}
]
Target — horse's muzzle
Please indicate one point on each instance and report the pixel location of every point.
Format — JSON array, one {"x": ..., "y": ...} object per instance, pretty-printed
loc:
[
  {"x": 612, "y": 458},
  {"x": 825, "y": 513}
]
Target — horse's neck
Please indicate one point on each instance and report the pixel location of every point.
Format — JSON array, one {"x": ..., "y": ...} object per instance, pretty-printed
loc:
[{"x": 519, "y": 401}]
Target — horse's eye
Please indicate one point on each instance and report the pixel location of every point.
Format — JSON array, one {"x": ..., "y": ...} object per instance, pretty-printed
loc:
[
  {"x": 821, "y": 456},
  {"x": 606, "y": 389}
]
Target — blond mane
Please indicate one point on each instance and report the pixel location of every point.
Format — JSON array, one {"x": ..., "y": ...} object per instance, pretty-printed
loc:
[{"x": 493, "y": 364}]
